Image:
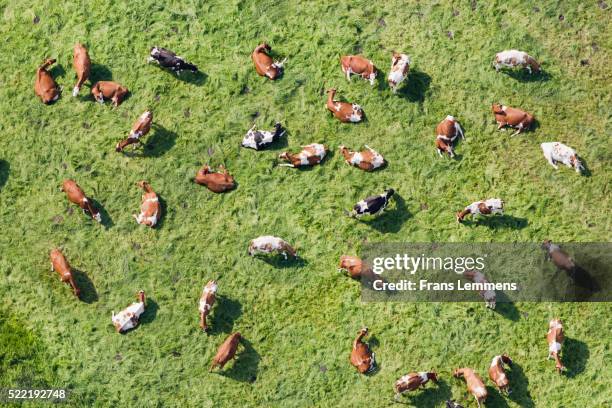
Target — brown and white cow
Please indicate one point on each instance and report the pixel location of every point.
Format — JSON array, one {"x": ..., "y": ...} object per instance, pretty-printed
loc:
[
  {"x": 413, "y": 381},
  {"x": 446, "y": 132},
  {"x": 150, "y": 208},
  {"x": 488, "y": 295},
  {"x": 76, "y": 195},
  {"x": 475, "y": 385},
  {"x": 362, "y": 357},
  {"x": 267, "y": 244},
  {"x": 45, "y": 86},
  {"x": 343, "y": 111},
  {"x": 310, "y": 155},
  {"x": 82, "y": 66},
  {"x": 207, "y": 300},
  {"x": 559, "y": 257},
  {"x": 368, "y": 159},
  {"x": 485, "y": 207},
  {"x": 109, "y": 90},
  {"x": 555, "y": 337},
  {"x": 400, "y": 65},
  {"x": 497, "y": 372},
  {"x": 60, "y": 265},
  {"x": 226, "y": 351},
  {"x": 129, "y": 317},
  {"x": 356, "y": 64},
  {"x": 556, "y": 152},
  {"x": 140, "y": 128},
  {"x": 352, "y": 265},
  {"x": 264, "y": 64},
  {"x": 512, "y": 117},
  {"x": 516, "y": 58},
  {"x": 215, "y": 182}
]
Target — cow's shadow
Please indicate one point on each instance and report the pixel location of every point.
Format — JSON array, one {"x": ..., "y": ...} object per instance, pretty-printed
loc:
[
  {"x": 57, "y": 71},
  {"x": 497, "y": 222},
  {"x": 519, "y": 386},
  {"x": 5, "y": 170},
  {"x": 574, "y": 356},
  {"x": 505, "y": 307},
  {"x": 415, "y": 87},
  {"x": 150, "y": 312},
  {"x": 433, "y": 395},
  {"x": 198, "y": 78},
  {"x": 278, "y": 261},
  {"x": 390, "y": 220},
  {"x": 88, "y": 290},
  {"x": 522, "y": 75},
  {"x": 495, "y": 398},
  {"x": 106, "y": 221},
  {"x": 225, "y": 312},
  {"x": 155, "y": 145},
  {"x": 244, "y": 369},
  {"x": 99, "y": 72}
]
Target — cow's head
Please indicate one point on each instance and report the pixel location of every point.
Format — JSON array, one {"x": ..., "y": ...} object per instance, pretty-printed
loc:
[
  {"x": 497, "y": 108},
  {"x": 284, "y": 156},
  {"x": 433, "y": 376},
  {"x": 577, "y": 164}
]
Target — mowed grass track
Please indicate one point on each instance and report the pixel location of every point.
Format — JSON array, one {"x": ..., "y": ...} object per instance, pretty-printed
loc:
[{"x": 299, "y": 319}]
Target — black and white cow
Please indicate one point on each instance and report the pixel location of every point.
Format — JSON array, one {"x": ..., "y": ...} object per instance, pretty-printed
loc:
[
  {"x": 373, "y": 205},
  {"x": 167, "y": 59},
  {"x": 259, "y": 139}
]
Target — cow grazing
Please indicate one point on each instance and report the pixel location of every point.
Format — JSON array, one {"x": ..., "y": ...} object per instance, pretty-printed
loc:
[
  {"x": 558, "y": 257},
  {"x": 140, "y": 128},
  {"x": 474, "y": 383},
  {"x": 109, "y": 90},
  {"x": 516, "y": 118},
  {"x": 267, "y": 244},
  {"x": 60, "y": 265},
  {"x": 309, "y": 156},
  {"x": 446, "y": 132},
  {"x": 558, "y": 152},
  {"x": 343, "y": 111},
  {"x": 555, "y": 339},
  {"x": 76, "y": 195},
  {"x": 45, "y": 86},
  {"x": 82, "y": 66},
  {"x": 150, "y": 208},
  {"x": 497, "y": 372},
  {"x": 400, "y": 65},
  {"x": 129, "y": 317},
  {"x": 167, "y": 59},
  {"x": 362, "y": 357},
  {"x": 515, "y": 58},
  {"x": 259, "y": 139},
  {"x": 207, "y": 300},
  {"x": 226, "y": 351},
  {"x": 486, "y": 207},
  {"x": 373, "y": 205},
  {"x": 368, "y": 159},
  {"x": 216, "y": 182},
  {"x": 488, "y": 295},
  {"x": 356, "y": 64},
  {"x": 413, "y": 381},
  {"x": 264, "y": 65}
]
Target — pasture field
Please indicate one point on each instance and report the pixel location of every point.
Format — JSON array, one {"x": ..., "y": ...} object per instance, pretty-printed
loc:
[{"x": 298, "y": 318}]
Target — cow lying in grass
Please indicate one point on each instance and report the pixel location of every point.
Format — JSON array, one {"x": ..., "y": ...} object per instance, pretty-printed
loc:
[
  {"x": 352, "y": 265},
  {"x": 475, "y": 385},
  {"x": 309, "y": 156},
  {"x": 486, "y": 207},
  {"x": 259, "y": 139},
  {"x": 413, "y": 381},
  {"x": 207, "y": 300},
  {"x": 556, "y": 152},
  {"x": 343, "y": 111},
  {"x": 267, "y": 244},
  {"x": 264, "y": 64},
  {"x": 400, "y": 65},
  {"x": 497, "y": 372},
  {"x": 45, "y": 86},
  {"x": 446, "y": 132},
  {"x": 140, "y": 128},
  {"x": 129, "y": 317},
  {"x": 555, "y": 337},
  {"x": 515, "y": 58},
  {"x": 82, "y": 66},
  {"x": 226, "y": 352},
  {"x": 102, "y": 90},
  {"x": 515, "y": 118},
  {"x": 168, "y": 59},
  {"x": 150, "y": 208},
  {"x": 60, "y": 265},
  {"x": 356, "y": 64},
  {"x": 488, "y": 295},
  {"x": 374, "y": 205},
  {"x": 215, "y": 182},
  {"x": 76, "y": 195},
  {"x": 368, "y": 159},
  {"x": 362, "y": 357}
]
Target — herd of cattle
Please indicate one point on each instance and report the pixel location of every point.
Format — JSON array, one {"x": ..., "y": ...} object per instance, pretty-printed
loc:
[{"x": 368, "y": 159}]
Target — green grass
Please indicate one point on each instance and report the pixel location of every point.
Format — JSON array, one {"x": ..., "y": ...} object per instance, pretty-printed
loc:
[{"x": 299, "y": 320}]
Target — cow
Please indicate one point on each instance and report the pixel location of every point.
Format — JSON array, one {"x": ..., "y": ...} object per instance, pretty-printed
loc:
[
  {"x": 343, "y": 111},
  {"x": 356, "y": 64},
  {"x": 264, "y": 65},
  {"x": 129, "y": 317},
  {"x": 555, "y": 337},
  {"x": 558, "y": 256},
  {"x": 497, "y": 372},
  {"x": 82, "y": 66},
  {"x": 475, "y": 385},
  {"x": 352, "y": 265},
  {"x": 267, "y": 244},
  {"x": 400, "y": 65},
  {"x": 446, "y": 132},
  {"x": 309, "y": 156},
  {"x": 150, "y": 208},
  {"x": 76, "y": 195},
  {"x": 413, "y": 381},
  {"x": 362, "y": 357},
  {"x": 168, "y": 59},
  {"x": 516, "y": 58},
  {"x": 259, "y": 139},
  {"x": 207, "y": 300},
  {"x": 215, "y": 182},
  {"x": 373, "y": 205},
  {"x": 488, "y": 295},
  {"x": 368, "y": 159},
  {"x": 140, "y": 128},
  {"x": 45, "y": 86},
  {"x": 516, "y": 118},
  {"x": 556, "y": 152},
  {"x": 485, "y": 207},
  {"x": 60, "y": 264},
  {"x": 109, "y": 90},
  {"x": 226, "y": 351}
]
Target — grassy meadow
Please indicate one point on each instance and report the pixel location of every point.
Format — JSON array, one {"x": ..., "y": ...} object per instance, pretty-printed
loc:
[{"x": 298, "y": 318}]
